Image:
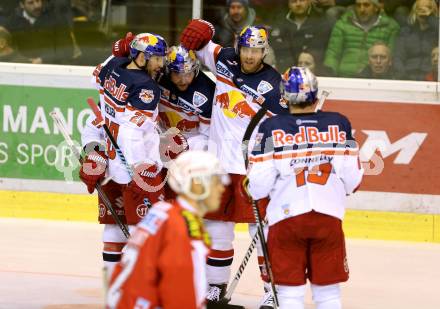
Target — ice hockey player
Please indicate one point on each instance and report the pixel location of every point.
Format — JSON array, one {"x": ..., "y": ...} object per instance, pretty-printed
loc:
[
  {"x": 129, "y": 97},
  {"x": 308, "y": 162},
  {"x": 164, "y": 262},
  {"x": 186, "y": 101},
  {"x": 185, "y": 106},
  {"x": 244, "y": 85}
]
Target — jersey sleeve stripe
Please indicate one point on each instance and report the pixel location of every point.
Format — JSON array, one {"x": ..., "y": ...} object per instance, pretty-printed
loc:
[
  {"x": 204, "y": 120},
  {"x": 217, "y": 50},
  {"x": 143, "y": 112},
  {"x": 110, "y": 102}
]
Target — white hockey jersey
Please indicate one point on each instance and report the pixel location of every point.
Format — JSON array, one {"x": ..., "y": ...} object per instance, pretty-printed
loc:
[
  {"x": 238, "y": 98},
  {"x": 128, "y": 102},
  {"x": 304, "y": 162}
]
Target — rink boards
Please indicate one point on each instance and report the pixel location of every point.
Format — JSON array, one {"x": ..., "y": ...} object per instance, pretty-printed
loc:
[{"x": 395, "y": 122}]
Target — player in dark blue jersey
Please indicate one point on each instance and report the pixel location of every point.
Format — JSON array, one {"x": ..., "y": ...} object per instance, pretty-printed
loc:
[
  {"x": 245, "y": 86},
  {"x": 186, "y": 97},
  {"x": 129, "y": 96}
]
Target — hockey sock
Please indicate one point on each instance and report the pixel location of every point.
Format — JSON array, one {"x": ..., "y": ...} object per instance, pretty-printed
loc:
[
  {"x": 111, "y": 255},
  {"x": 291, "y": 297},
  {"x": 219, "y": 266},
  {"x": 327, "y": 296}
]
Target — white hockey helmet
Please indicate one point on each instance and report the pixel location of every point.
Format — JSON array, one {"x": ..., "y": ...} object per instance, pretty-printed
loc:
[
  {"x": 299, "y": 85},
  {"x": 197, "y": 166}
]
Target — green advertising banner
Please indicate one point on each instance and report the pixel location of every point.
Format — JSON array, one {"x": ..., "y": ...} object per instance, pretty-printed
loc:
[{"x": 31, "y": 146}]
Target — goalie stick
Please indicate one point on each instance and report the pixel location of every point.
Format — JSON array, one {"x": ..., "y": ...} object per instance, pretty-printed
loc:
[{"x": 59, "y": 123}]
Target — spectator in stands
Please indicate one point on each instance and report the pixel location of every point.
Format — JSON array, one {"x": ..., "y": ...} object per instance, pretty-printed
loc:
[
  {"x": 333, "y": 8},
  {"x": 414, "y": 44},
  {"x": 380, "y": 63},
  {"x": 37, "y": 33},
  {"x": 7, "y": 52},
  {"x": 238, "y": 16},
  {"x": 299, "y": 29},
  {"x": 307, "y": 60},
  {"x": 399, "y": 9},
  {"x": 354, "y": 34},
  {"x": 6, "y": 8},
  {"x": 433, "y": 75}
]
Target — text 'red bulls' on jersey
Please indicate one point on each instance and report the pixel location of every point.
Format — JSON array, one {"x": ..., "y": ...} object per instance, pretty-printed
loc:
[
  {"x": 238, "y": 98},
  {"x": 305, "y": 162},
  {"x": 189, "y": 110},
  {"x": 128, "y": 102}
]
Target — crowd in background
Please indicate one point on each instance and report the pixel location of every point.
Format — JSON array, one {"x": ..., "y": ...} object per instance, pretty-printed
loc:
[
  {"x": 392, "y": 39},
  {"x": 51, "y": 31}
]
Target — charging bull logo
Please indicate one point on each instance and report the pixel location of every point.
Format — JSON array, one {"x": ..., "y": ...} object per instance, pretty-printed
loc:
[
  {"x": 171, "y": 119},
  {"x": 234, "y": 104},
  {"x": 149, "y": 39}
]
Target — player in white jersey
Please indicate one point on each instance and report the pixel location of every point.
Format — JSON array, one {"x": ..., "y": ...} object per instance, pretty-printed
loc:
[
  {"x": 244, "y": 85},
  {"x": 307, "y": 162},
  {"x": 128, "y": 102}
]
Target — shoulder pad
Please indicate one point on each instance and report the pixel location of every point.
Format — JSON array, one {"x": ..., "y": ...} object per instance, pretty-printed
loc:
[{"x": 155, "y": 217}]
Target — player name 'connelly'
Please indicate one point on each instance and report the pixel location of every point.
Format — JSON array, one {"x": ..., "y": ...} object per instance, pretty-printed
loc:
[{"x": 309, "y": 135}]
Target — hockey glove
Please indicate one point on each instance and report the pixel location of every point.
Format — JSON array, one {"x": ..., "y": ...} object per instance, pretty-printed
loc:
[
  {"x": 197, "y": 34},
  {"x": 146, "y": 178},
  {"x": 172, "y": 143},
  {"x": 121, "y": 48},
  {"x": 93, "y": 166}
]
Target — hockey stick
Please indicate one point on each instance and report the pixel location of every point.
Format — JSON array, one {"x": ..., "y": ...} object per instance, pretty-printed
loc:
[
  {"x": 260, "y": 229},
  {"x": 102, "y": 195},
  {"x": 240, "y": 270},
  {"x": 322, "y": 99},
  {"x": 101, "y": 122}
]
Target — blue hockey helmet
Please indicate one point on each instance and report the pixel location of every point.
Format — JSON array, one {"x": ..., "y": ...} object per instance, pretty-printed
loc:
[
  {"x": 299, "y": 85},
  {"x": 148, "y": 43},
  {"x": 182, "y": 60},
  {"x": 254, "y": 37}
]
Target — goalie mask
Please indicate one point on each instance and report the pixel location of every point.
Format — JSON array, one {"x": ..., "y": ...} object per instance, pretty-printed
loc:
[{"x": 299, "y": 85}]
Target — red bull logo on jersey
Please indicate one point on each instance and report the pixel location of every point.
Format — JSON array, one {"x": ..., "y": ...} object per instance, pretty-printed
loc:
[
  {"x": 116, "y": 92},
  {"x": 146, "y": 96},
  {"x": 173, "y": 119},
  {"x": 309, "y": 135},
  {"x": 234, "y": 104},
  {"x": 186, "y": 125}
]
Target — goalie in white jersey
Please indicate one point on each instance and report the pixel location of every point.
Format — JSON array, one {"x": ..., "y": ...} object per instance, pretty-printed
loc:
[
  {"x": 307, "y": 162},
  {"x": 244, "y": 86}
]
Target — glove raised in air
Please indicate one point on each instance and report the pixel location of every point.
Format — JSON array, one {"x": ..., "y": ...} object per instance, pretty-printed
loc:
[
  {"x": 121, "y": 48},
  {"x": 197, "y": 34}
]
